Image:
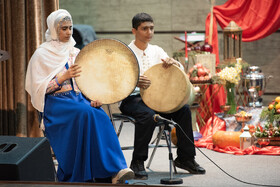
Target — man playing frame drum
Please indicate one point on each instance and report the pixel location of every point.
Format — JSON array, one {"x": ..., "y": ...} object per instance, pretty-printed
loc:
[{"x": 149, "y": 55}]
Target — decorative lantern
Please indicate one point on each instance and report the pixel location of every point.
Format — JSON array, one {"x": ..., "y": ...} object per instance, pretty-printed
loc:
[
  {"x": 246, "y": 139},
  {"x": 232, "y": 42}
]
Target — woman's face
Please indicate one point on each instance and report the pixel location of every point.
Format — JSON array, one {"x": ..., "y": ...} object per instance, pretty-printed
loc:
[{"x": 65, "y": 31}]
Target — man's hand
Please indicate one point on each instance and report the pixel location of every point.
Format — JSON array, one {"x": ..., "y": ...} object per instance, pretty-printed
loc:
[
  {"x": 95, "y": 104},
  {"x": 143, "y": 82},
  {"x": 169, "y": 61}
]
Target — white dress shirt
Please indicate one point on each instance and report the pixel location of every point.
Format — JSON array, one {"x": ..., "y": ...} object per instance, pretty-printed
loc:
[
  {"x": 150, "y": 56},
  {"x": 147, "y": 58}
]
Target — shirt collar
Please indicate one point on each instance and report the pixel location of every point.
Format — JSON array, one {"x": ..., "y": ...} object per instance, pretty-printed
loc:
[{"x": 140, "y": 51}]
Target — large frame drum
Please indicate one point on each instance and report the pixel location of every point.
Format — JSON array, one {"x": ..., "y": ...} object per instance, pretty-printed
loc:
[
  {"x": 170, "y": 89},
  {"x": 110, "y": 71}
]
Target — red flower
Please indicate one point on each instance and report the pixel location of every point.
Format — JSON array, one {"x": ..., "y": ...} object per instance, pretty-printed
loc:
[{"x": 259, "y": 127}]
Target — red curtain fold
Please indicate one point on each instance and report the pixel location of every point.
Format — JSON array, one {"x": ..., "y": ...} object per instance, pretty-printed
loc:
[{"x": 257, "y": 19}]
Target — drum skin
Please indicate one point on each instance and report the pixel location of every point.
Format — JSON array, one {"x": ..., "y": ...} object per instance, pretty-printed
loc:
[
  {"x": 109, "y": 71},
  {"x": 169, "y": 91}
]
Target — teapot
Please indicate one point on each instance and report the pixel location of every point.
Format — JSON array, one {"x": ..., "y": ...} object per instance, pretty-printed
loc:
[{"x": 254, "y": 83}]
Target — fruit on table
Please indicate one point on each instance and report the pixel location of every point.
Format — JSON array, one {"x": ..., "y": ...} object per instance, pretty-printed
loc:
[
  {"x": 251, "y": 128},
  {"x": 270, "y": 107},
  {"x": 223, "y": 139},
  {"x": 277, "y": 106},
  {"x": 274, "y": 104},
  {"x": 243, "y": 116},
  {"x": 199, "y": 73},
  {"x": 277, "y": 99}
]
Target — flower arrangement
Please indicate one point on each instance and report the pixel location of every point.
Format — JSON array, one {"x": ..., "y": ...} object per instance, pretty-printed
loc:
[
  {"x": 230, "y": 76},
  {"x": 267, "y": 131},
  {"x": 271, "y": 115}
]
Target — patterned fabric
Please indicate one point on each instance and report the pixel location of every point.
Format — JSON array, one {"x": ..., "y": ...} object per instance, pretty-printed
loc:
[
  {"x": 146, "y": 62},
  {"x": 53, "y": 87},
  {"x": 66, "y": 85}
]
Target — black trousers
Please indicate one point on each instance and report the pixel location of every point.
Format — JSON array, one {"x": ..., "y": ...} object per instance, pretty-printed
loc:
[{"x": 145, "y": 126}]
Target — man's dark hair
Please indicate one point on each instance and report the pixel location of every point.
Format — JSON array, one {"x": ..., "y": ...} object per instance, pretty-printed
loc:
[{"x": 140, "y": 18}]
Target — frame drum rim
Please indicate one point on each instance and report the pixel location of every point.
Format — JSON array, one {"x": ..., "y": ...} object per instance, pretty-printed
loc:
[{"x": 110, "y": 71}]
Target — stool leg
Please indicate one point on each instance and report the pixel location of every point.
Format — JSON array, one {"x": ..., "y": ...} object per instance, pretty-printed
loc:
[
  {"x": 120, "y": 128},
  {"x": 111, "y": 117},
  {"x": 158, "y": 135}
]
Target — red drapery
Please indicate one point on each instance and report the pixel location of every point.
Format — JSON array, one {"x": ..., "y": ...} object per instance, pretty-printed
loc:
[{"x": 257, "y": 19}]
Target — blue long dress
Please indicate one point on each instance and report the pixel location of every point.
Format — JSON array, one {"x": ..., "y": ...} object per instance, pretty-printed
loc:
[{"x": 82, "y": 137}]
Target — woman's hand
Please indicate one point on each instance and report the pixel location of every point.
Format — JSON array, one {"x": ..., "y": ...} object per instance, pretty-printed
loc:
[
  {"x": 73, "y": 71},
  {"x": 169, "y": 61},
  {"x": 143, "y": 82},
  {"x": 95, "y": 104}
]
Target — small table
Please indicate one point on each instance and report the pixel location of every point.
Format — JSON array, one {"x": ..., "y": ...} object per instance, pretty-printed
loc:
[{"x": 206, "y": 103}]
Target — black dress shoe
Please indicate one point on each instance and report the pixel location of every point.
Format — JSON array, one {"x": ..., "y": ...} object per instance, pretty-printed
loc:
[
  {"x": 190, "y": 165},
  {"x": 137, "y": 167}
]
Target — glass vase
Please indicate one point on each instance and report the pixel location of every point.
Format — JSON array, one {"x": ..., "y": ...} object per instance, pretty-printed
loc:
[{"x": 230, "y": 88}]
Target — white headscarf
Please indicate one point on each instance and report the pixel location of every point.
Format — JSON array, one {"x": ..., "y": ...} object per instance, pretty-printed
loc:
[{"x": 48, "y": 60}]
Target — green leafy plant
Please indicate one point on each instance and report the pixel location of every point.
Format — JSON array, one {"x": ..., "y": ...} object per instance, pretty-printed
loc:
[{"x": 270, "y": 115}]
